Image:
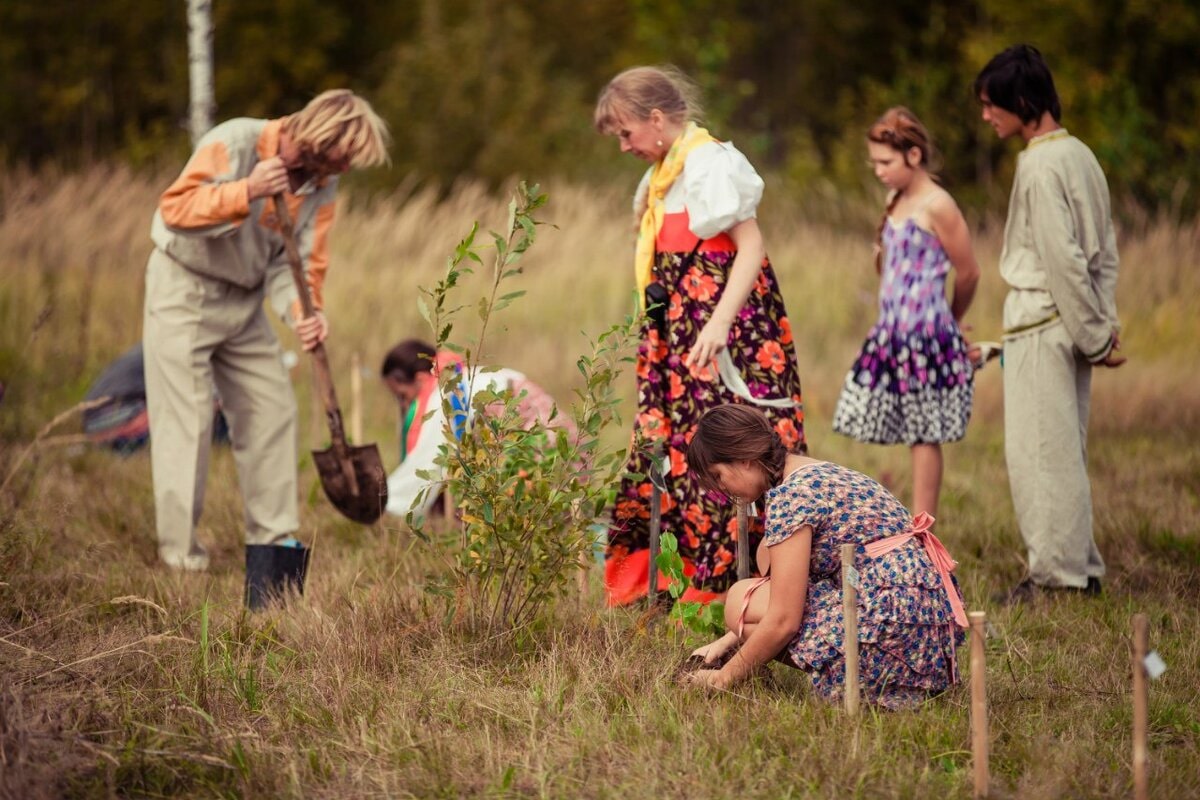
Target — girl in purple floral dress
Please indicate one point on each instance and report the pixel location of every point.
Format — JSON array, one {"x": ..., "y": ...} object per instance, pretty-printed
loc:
[
  {"x": 911, "y": 383},
  {"x": 715, "y": 332},
  {"x": 910, "y": 611}
]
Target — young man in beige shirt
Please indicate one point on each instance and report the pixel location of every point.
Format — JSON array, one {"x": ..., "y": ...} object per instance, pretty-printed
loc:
[{"x": 1060, "y": 319}]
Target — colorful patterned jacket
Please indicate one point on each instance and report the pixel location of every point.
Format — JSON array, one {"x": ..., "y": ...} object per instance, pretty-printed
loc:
[{"x": 206, "y": 222}]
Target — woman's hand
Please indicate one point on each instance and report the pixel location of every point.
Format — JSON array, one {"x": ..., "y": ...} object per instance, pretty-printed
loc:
[
  {"x": 312, "y": 330},
  {"x": 717, "y": 648},
  {"x": 709, "y": 344},
  {"x": 706, "y": 679}
]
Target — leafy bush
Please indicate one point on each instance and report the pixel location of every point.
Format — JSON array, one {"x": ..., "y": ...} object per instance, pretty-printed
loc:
[
  {"x": 707, "y": 619},
  {"x": 526, "y": 493}
]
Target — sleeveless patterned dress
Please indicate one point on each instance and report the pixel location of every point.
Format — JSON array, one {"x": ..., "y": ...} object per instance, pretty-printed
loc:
[{"x": 912, "y": 381}]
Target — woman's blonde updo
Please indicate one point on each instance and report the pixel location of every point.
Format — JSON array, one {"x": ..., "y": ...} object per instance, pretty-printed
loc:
[{"x": 637, "y": 91}]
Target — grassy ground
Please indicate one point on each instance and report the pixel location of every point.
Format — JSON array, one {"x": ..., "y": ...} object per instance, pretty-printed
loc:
[{"x": 120, "y": 678}]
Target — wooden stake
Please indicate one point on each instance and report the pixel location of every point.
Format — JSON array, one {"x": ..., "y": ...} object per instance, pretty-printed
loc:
[
  {"x": 655, "y": 533},
  {"x": 1141, "y": 789},
  {"x": 448, "y": 509},
  {"x": 979, "y": 709},
  {"x": 850, "y": 627},
  {"x": 356, "y": 415},
  {"x": 743, "y": 542},
  {"x": 585, "y": 568},
  {"x": 658, "y": 485}
]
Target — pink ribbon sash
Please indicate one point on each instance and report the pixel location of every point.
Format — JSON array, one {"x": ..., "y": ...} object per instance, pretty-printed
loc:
[
  {"x": 942, "y": 562},
  {"x": 741, "y": 623}
]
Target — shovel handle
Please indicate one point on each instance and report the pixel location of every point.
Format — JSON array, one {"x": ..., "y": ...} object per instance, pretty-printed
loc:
[{"x": 320, "y": 360}]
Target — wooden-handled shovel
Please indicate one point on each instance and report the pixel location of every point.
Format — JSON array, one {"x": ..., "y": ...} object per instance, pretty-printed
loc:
[{"x": 353, "y": 477}]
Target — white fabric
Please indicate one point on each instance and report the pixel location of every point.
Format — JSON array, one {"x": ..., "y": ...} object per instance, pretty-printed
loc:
[
  {"x": 719, "y": 188},
  {"x": 734, "y": 382},
  {"x": 404, "y": 484}
]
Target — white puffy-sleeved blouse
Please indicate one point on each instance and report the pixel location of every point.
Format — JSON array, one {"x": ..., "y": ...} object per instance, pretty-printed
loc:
[{"x": 718, "y": 188}]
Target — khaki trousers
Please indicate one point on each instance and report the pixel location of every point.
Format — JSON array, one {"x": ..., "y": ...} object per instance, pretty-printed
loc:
[
  {"x": 1047, "y": 394},
  {"x": 199, "y": 333}
]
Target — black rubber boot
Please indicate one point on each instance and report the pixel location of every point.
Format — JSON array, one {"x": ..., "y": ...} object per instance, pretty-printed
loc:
[{"x": 272, "y": 570}]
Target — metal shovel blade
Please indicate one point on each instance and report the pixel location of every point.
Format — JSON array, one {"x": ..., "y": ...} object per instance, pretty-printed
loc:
[{"x": 354, "y": 480}]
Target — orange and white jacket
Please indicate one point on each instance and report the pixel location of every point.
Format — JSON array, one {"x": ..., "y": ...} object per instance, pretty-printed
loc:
[{"x": 206, "y": 222}]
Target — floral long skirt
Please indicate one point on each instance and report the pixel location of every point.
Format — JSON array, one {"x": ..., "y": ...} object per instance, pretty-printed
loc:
[{"x": 671, "y": 400}]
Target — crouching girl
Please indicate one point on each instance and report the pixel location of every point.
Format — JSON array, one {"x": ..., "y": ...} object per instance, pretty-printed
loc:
[{"x": 910, "y": 610}]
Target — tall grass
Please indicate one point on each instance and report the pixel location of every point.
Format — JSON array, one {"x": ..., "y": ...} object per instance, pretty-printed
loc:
[{"x": 120, "y": 678}]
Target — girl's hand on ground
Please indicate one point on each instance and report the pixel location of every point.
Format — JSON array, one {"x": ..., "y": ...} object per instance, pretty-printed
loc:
[
  {"x": 710, "y": 652},
  {"x": 709, "y": 344},
  {"x": 312, "y": 330},
  {"x": 705, "y": 678}
]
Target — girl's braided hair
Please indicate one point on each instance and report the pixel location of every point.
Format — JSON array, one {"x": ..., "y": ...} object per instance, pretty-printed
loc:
[{"x": 900, "y": 130}]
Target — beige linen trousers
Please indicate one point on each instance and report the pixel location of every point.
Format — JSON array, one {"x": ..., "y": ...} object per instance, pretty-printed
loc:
[
  {"x": 1047, "y": 397},
  {"x": 200, "y": 333}
]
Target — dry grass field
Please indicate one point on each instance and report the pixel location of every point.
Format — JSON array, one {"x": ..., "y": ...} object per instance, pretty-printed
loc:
[{"x": 119, "y": 678}]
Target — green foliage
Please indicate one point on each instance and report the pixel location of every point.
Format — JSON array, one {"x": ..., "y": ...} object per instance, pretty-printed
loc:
[
  {"x": 707, "y": 619},
  {"x": 487, "y": 90},
  {"x": 526, "y": 492}
]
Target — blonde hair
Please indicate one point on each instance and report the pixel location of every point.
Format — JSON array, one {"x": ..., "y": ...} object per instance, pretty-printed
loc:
[
  {"x": 637, "y": 91},
  {"x": 341, "y": 119}
]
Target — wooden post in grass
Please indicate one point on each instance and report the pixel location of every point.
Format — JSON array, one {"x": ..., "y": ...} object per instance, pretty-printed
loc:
[
  {"x": 979, "y": 709},
  {"x": 657, "y": 485},
  {"x": 743, "y": 543},
  {"x": 448, "y": 516},
  {"x": 1141, "y": 790},
  {"x": 850, "y": 627},
  {"x": 655, "y": 532},
  {"x": 356, "y": 413}
]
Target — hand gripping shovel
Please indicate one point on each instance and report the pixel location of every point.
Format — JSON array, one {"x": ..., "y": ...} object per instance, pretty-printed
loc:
[{"x": 353, "y": 477}]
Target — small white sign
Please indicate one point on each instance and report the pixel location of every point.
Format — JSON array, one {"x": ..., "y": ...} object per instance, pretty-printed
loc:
[
  {"x": 1154, "y": 665},
  {"x": 852, "y": 576}
]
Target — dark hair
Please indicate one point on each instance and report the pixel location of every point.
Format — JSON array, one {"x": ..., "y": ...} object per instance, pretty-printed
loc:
[
  {"x": 734, "y": 432},
  {"x": 1018, "y": 81},
  {"x": 900, "y": 130},
  {"x": 407, "y": 359}
]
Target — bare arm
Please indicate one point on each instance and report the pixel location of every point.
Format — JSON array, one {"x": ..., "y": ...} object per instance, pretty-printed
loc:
[
  {"x": 747, "y": 265},
  {"x": 946, "y": 221},
  {"x": 785, "y": 612}
]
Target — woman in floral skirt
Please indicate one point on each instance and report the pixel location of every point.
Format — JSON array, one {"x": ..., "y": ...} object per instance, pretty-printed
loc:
[{"x": 715, "y": 330}]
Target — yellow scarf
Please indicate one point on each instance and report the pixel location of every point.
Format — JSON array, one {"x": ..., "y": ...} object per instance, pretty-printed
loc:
[{"x": 662, "y": 175}]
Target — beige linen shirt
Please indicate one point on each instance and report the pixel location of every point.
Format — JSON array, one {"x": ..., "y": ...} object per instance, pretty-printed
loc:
[{"x": 1060, "y": 251}]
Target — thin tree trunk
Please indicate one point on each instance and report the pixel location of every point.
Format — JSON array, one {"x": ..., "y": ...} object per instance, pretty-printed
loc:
[{"x": 200, "y": 68}]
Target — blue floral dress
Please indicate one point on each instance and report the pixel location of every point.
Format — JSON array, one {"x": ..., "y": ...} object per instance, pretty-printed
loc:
[
  {"x": 912, "y": 381},
  {"x": 906, "y": 630}
]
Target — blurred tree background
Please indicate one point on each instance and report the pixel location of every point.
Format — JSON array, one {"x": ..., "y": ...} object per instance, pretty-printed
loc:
[{"x": 485, "y": 89}]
